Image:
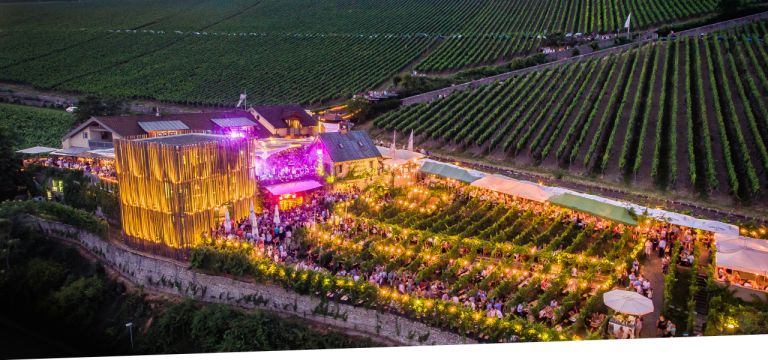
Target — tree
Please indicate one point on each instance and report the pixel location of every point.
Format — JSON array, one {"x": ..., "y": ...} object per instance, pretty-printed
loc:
[
  {"x": 359, "y": 107},
  {"x": 725, "y": 7},
  {"x": 9, "y": 162},
  {"x": 92, "y": 105}
]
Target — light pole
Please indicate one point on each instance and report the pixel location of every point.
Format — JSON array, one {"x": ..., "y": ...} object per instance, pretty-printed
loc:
[{"x": 130, "y": 328}]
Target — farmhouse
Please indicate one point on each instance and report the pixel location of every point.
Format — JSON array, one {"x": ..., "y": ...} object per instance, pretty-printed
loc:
[
  {"x": 99, "y": 132},
  {"x": 286, "y": 120},
  {"x": 345, "y": 153}
]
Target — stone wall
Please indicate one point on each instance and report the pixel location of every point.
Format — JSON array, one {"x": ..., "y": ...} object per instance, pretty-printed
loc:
[
  {"x": 432, "y": 95},
  {"x": 181, "y": 281}
]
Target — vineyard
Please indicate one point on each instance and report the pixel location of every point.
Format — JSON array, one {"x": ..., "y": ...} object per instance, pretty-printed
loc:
[
  {"x": 516, "y": 252},
  {"x": 205, "y": 52},
  {"x": 689, "y": 114},
  {"x": 35, "y": 127}
]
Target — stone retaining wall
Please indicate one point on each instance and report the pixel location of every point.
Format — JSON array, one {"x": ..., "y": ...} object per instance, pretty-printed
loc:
[
  {"x": 181, "y": 281},
  {"x": 432, "y": 95}
]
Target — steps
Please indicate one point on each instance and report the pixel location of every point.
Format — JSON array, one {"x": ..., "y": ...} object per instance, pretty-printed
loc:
[
  {"x": 701, "y": 297},
  {"x": 702, "y": 303}
]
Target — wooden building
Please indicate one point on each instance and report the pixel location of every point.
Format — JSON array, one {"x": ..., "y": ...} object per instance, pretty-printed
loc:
[{"x": 175, "y": 188}]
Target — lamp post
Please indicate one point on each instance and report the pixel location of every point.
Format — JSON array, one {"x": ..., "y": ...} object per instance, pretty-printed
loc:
[{"x": 130, "y": 328}]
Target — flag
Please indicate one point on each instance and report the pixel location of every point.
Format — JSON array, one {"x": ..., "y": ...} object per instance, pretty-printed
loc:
[
  {"x": 242, "y": 97},
  {"x": 394, "y": 145},
  {"x": 626, "y": 24},
  {"x": 410, "y": 142}
]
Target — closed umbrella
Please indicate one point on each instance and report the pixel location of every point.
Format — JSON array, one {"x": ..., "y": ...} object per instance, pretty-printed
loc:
[
  {"x": 628, "y": 302},
  {"x": 227, "y": 222},
  {"x": 277, "y": 215}
]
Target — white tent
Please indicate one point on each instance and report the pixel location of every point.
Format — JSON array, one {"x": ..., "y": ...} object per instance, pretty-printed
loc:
[
  {"x": 742, "y": 253},
  {"x": 386, "y": 153},
  {"x": 37, "y": 150},
  {"x": 669, "y": 216},
  {"x": 628, "y": 302},
  {"x": 514, "y": 187}
]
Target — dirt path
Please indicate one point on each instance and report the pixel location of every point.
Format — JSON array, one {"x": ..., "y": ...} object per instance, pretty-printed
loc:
[{"x": 651, "y": 270}]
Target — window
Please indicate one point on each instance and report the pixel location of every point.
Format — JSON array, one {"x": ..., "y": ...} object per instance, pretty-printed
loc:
[
  {"x": 371, "y": 163},
  {"x": 85, "y": 135},
  {"x": 340, "y": 169},
  {"x": 341, "y": 146},
  {"x": 172, "y": 133},
  {"x": 360, "y": 143},
  {"x": 161, "y": 133}
]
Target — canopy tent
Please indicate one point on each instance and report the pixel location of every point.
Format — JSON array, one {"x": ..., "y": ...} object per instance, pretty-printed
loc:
[
  {"x": 72, "y": 151},
  {"x": 293, "y": 187},
  {"x": 594, "y": 207},
  {"x": 742, "y": 253},
  {"x": 628, "y": 302},
  {"x": 37, "y": 150},
  {"x": 394, "y": 162},
  {"x": 451, "y": 171},
  {"x": 510, "y": 186},
  {"x": 406, "y": 155},
  {"x": 670, "y": 217}
]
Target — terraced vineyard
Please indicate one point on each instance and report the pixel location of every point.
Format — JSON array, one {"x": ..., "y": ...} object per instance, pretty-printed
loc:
[
  {"x": 207, "y": 52},
  {"x": 690, "y": 114},
  {"x": 516, "y": 252}
]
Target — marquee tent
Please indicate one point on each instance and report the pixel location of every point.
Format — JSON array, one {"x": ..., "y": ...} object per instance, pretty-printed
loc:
[
  {"x": 37, "y": 150},
  {"x": 386, "y": 153},
  {"x": 523, "y": 189},
  {"x": 451, "y": 171},
  {"x": 293, "y": 187},
  {"x": 594, "y": 207},
  {"x": 670, "y": 216},
  {"x": 742, "y": 253}
]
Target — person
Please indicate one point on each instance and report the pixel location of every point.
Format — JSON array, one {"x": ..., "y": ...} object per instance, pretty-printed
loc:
[
  {"x": 638, "y": 327},
  {"x": 661, "y": 326},
  {"x": 662, "y": 245},
  {"x": 670, "y": 332},
  {"x": 648, "y": 246}
]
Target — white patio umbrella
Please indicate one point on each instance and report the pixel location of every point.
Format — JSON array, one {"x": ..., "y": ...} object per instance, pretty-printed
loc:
[
  {"x": 628, "y": 302},
  {"x": 227, "y": 222},
  {"x": 277, "y": 215}
]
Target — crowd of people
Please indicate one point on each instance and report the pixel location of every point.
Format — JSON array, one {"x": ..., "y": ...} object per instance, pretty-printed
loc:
[
  {"x": 286, "y": 166},
  {"x": 103, "y": 169},
  {"x": 275, "y": 238}
]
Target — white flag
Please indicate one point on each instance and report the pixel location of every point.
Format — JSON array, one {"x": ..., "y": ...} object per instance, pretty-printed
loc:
[
  {"x": 626, "y": 24},
  {"x": 242, "y": 97},
  {"x": 410, "y": 142}
]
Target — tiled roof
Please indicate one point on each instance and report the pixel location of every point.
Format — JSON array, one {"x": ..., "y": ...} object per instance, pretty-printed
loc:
[
  {"x": 163, "y": 125},
  {"x": 353, "y": 145},
  {"x": 275, "y": 115},
  {"x": 129, "y": 125}
]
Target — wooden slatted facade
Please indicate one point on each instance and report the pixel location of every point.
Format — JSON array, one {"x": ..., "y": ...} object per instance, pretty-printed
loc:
[{"x": 172, "y": 189}]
